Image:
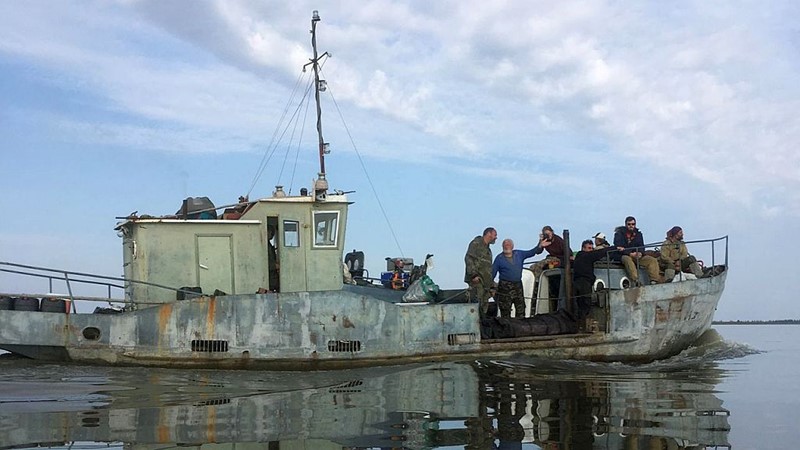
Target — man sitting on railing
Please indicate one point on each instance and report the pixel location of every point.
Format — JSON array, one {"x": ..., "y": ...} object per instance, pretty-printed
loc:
[
  {"x": 675, "y": 257},
  {"x": 632, "y": 239}
]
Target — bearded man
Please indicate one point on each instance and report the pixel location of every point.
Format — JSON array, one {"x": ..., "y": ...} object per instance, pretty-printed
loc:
[
  {"x": 509, "y": 287},
  {"x": 675, "y": 257}
]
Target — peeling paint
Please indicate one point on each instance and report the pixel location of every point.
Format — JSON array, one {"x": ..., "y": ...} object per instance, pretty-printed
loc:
[{"x": 661, "y": 314}]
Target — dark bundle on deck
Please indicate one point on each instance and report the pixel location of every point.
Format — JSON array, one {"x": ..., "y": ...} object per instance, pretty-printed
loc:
[{"x": 559, "y": 322}]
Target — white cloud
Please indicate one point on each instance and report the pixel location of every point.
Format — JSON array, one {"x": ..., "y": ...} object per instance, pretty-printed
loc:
[{"x": 699, "y": 90}]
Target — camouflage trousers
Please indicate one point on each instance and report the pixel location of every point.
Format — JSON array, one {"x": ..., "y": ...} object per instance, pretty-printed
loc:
[
  {"x": 510, "y": 293},
  {"x": 647, "y": 262},
  {"x": 478, "y": 293}
]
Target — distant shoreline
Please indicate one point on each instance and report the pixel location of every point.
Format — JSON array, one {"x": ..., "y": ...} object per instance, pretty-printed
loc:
[{"x": 757, "y": 322}]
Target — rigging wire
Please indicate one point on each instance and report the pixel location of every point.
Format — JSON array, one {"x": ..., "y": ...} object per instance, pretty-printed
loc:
[
  {"x": 291, "y": 138},
  {"x": 273, "y": 145},
  {"x": 364, "y": 168},
  {"x": 297, "y": 151},
  {"x": 267, "y": 153}
]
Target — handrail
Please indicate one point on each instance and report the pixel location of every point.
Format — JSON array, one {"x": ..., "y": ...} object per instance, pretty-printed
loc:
[
  {"x": 687, "y": 243},
  {"x": 65, "y": 276}
]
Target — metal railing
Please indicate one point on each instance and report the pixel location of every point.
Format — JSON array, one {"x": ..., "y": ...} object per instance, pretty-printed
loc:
[
  {"x": 70, "y": 278},
  {"x": 653, "y": 246}
]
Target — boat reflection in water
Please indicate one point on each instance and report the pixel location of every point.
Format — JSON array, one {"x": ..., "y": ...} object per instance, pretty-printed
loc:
[{"x": 480, "y": 405}]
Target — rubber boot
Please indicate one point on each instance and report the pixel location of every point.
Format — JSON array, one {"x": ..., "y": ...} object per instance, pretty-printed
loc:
[
  {"x": 696, "y": 270},
  {"x": 669, "y": 275}
]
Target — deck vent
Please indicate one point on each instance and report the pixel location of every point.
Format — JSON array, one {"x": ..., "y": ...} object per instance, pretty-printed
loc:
[
  {"x": 344, "y": 346},
  {"x": 209, "y": 346},
  {"x": 460, "y": 338},
  {"x": 215, "y": 402},
  {"x": 350, "y": 387}
]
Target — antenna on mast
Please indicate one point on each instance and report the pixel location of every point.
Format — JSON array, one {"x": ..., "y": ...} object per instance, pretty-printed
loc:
[{"x": 321, "y": 184}]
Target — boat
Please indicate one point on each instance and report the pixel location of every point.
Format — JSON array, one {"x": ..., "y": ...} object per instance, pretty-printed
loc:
[
  {"x": 203, "y": 291},
  {"x": 438, "y": 405}
]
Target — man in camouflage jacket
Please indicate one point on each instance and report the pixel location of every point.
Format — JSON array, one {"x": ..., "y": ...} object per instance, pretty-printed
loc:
[
  {"x": 675, "y": 257},
  {"x": 478, "y": 273}
]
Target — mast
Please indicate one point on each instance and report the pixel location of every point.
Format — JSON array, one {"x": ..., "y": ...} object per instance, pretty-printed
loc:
[{"x": 321, "y": 184}]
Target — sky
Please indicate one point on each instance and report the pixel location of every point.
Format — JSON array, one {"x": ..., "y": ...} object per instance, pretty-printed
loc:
[{"x": 443, "y": 118}]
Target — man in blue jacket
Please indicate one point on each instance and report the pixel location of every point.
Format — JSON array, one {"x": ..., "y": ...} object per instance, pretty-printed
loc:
[
  {"x": 633, "y": 256},
  {"x": 509, "y": 265}
]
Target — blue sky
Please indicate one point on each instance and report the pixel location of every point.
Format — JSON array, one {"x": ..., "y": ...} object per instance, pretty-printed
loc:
[{"x": 466, "y": 115}]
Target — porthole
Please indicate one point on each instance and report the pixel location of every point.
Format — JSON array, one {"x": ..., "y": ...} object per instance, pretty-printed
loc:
[{"x": 91, "y": 333}]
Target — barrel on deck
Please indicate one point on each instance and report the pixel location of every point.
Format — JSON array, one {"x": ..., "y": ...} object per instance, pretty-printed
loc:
[
  {"x": 6, "y": 303},
  {"x": 56, "y": 305},
  {"x": 26, "y": 304}
]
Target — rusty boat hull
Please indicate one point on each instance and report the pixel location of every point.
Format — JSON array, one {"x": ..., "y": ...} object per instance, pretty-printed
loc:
[{"x": 350, "y": 328}]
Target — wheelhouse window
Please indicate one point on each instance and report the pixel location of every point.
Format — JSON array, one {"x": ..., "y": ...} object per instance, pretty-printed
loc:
[
  {"x": 291, "y": 233},
  {"x": 326, "y": 228}
]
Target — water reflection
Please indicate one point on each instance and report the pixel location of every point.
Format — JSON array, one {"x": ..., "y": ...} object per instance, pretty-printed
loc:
[{"x": 455, "y": 405}]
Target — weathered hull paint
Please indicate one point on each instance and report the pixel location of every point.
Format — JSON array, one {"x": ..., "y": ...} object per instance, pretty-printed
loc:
[{"x": 350, "y": 328}]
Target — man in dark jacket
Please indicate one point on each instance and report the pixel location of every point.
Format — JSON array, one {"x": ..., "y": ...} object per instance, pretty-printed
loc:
[
  {"x": 556, "y": 252},
  {"x": 478, "y": 271},
  {"x": 583, "y": 274},
  {"x": 633, "y": 256}
]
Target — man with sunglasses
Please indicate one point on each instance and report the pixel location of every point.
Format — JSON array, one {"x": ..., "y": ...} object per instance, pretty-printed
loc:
[{"x": 630, "y": 238}]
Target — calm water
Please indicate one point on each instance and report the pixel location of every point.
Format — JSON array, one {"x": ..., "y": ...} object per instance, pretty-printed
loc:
[{"x": 721, "y": 393}]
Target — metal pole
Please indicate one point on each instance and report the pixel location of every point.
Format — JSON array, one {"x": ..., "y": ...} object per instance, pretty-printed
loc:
[
  {"x": 69, "y": 289},
  {"x": 726, "y": 252},
  {"x": 567, "y": 273},
  {"x": 315, "y": 64},
  {"x": 712, "y": 253}
]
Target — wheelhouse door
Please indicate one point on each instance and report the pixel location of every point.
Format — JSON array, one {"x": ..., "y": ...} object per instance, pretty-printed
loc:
[{"x": 215, "y": 263}]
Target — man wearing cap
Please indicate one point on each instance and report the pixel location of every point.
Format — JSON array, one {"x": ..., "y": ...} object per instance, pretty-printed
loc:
[
  {"x": 675, "y": 257},
  {"x": 509, "y": 287},
  {"x": 478, "y": 270},
  {"x": 600, "y": 241},
  {"x": 633, "y": 256}
]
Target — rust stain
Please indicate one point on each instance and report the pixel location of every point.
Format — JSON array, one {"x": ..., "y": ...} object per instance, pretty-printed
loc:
[
  {"x": 162, "y": 430},
  {"x": 676, "y": 306},
  {"x": 632, "y": 295},
  {"x": 163, "y": 434},
  {"x": 211, "y": 428},
  {"x": 212, "y": 309},
  {"x": 347, "y": 323},
  {"x": 164, "y": 315},
  {"x": 661, "y": 314},
  {"x": 313, "y": 338}
]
